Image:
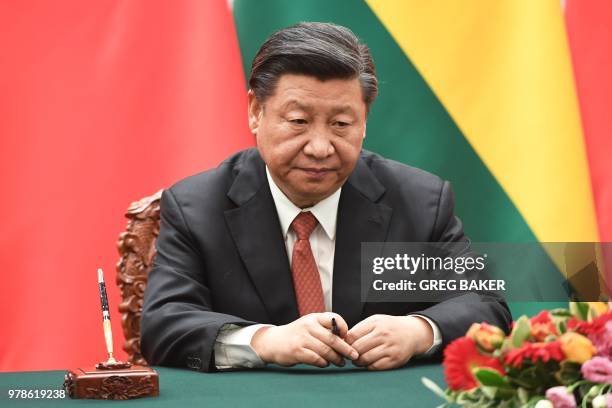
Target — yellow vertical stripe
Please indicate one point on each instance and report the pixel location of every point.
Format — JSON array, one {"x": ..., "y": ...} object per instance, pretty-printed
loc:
[{"x": 502, "y": 70}]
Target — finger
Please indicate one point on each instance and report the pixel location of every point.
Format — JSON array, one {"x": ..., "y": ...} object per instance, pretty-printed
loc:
[
  {"x": 335, "y": 342},
  {"x": 308, "y": 356},
  {"x": 384, "y": 363},
  {"x": 323, "y": 350},
  {"x": 371, "y": 356},
  {"x": 325, "y": 320},
  {"x": 366, "y": 343},
  {"x": 359, "y": 330}
]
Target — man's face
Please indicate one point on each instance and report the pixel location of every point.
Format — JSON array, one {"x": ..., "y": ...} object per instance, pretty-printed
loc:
[{"x": 309, "y": 133}]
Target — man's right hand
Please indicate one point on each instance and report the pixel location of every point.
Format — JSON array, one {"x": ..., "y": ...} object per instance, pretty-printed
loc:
[{"x": 307, "y": 340}]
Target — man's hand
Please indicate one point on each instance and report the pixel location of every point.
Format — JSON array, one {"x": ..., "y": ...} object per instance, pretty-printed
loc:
[
  {"x": 384, "y": 342},
  {"x": 307, "y": 340}
]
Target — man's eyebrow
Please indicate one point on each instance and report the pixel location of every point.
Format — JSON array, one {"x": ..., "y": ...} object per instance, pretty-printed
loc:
[
  {"x": 343, "y": 109},
  {"x": 296, "y": 103},
  {"x": 335, "y": 110}
]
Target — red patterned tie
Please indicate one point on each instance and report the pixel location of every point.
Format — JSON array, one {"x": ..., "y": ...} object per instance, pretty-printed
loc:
[{"x": 306, "y": 279}]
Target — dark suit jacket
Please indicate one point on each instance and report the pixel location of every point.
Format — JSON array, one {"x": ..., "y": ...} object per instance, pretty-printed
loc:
[{"x": 222, "y": 259}]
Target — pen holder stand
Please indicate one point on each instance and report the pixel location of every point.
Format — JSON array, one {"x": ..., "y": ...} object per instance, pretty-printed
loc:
[{"x": 120, "y": 381}]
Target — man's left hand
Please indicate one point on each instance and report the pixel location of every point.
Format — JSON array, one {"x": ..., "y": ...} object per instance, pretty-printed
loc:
[{"x": 384, "y": 342}]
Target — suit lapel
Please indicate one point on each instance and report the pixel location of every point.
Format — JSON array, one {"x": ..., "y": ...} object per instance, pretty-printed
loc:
[
  {"x": 257, "y": 233},
  {"x": 360, "y": 219}
]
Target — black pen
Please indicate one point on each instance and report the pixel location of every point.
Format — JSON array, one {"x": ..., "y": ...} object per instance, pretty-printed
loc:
[{"x": 335, "y": 330}]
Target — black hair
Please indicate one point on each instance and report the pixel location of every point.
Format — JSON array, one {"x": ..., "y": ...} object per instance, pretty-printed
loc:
[{"x": 322, "y": 50}]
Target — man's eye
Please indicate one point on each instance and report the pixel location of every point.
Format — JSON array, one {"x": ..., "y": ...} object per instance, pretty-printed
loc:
[
  {"x": 341, "y": 124},
  {"x": 298, "y": 121}
]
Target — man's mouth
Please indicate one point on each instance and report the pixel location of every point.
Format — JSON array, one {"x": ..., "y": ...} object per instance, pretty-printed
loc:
[{"x": 316, "y": 172}]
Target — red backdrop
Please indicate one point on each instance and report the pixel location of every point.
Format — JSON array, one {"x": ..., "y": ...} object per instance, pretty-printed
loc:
[
  {"x": 589, "y": 27},
  {"x": 101, "y": 103}
]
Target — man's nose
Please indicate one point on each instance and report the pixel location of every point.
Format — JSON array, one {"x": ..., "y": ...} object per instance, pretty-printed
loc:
[{"x": 319, "y": 145}]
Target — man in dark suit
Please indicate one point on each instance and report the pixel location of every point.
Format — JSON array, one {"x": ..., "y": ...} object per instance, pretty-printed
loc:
[{"x": 256, "y": 256}]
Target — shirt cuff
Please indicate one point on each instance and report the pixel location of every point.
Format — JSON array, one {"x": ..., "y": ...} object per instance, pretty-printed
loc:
[
  {"x": 233, "y": 347},
  {"x": 437, "y": 335}
]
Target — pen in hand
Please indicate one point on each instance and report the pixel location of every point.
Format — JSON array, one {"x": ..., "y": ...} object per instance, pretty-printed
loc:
[
  {"x": 336, "y": 330},
  {"x": 334, "y": 327}
]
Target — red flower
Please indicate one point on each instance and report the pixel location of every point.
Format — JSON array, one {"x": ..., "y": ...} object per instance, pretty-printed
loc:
[
  {"x": 542, "y": 317},
  {"x": 542, "y": 326},
  {"x": 460, "y": 357},
  {"x": 587, "y": 328},
  {"x": 535, "y": 352}
]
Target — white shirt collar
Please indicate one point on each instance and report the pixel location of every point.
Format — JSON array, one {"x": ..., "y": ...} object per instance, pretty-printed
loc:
[{"x": 326, "y": 211}]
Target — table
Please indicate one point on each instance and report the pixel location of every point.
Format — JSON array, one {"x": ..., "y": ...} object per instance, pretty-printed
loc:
[{"x": 274, "y": 386}]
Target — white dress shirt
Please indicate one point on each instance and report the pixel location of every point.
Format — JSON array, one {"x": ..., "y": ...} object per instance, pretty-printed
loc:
[{"x": 233, "y": 344}]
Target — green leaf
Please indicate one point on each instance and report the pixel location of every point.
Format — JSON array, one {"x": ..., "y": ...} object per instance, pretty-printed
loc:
[
  {"x": 580, "y": 310},
  {"x": 592, "y": 314},
  {"x": 561, "y": 326},
  {"x": 561, "y": 312},
  {"x": 568, "y": 373},
  {"x": 529, "y": 377},
  {"x": 489, "y": 377},
  {"x": 489, "y": 392},
  {"x": 506, "y": 393},
  {"x": 570, "y": 388},
  {"x": 523, "y": 395},
  {"x": 469, "y": 397},
  {"x": 521, "y": 331},
  {"x": 435, "y": 388}
]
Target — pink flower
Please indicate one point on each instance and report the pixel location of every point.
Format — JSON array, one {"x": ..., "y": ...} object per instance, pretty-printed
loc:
[
  {"x": 602, "y": 340},
  {"x": 598, "y": 369},
  {"x": 560, "y": 398}
]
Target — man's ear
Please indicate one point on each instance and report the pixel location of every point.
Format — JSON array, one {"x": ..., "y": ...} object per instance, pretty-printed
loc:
[{"x": 255, "y": 112}]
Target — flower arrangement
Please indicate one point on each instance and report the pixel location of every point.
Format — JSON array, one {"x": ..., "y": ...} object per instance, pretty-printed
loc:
[{"x": 560, "y": 358}]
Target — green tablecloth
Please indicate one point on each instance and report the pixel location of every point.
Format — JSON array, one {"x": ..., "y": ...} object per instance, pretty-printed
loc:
[{"x": 295, "y": 387}]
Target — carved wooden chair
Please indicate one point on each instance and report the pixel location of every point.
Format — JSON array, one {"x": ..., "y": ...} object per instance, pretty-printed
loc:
[{"x": 137, "y": 248}]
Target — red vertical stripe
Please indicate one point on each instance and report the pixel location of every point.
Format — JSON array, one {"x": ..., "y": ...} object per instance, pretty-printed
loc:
[
  {"x": 101, "y": 103},
  {"x": 589, "y": 26}
]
